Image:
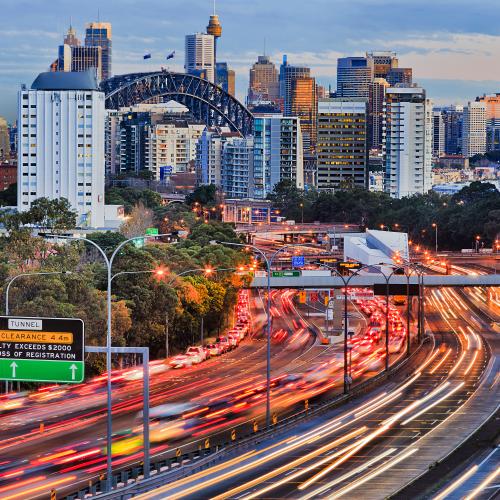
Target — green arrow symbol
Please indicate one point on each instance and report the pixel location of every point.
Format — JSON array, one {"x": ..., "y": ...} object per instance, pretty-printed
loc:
[
  {"x": 13, "y": 365},
  {"x": 73, "y": 369}
]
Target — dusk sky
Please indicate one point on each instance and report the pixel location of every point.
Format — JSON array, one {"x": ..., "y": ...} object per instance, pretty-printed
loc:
[{"x": 452, "y": 45}]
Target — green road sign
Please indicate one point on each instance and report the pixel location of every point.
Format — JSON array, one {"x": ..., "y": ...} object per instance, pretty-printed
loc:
[
  {"x": 285, "y": 274},
  {"x": 42, "y": 349},
  {"x": 139, "y": 242},
  {"x": 152, "y": 231},
  {"x": 42, "y": 371}
]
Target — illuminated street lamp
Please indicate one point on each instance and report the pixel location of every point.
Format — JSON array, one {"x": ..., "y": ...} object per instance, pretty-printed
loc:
[{"x": 435, "y": 226}]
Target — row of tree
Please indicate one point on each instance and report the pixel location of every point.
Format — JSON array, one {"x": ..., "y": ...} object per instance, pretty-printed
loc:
[
  {"x": 145, "y": 304},
  {"x": 473, "y": 211}
]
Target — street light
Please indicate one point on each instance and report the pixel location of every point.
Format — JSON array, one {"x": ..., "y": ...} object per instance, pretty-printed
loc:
[
  {"x": 435, "y": 226},
  {"x": 27, "y": 274},
  {"x": 302, "y": 210},
  {"x": 478, "y": 238},
  {"x": 109, "y": 423},
  {"x": 269, "y": 263}
]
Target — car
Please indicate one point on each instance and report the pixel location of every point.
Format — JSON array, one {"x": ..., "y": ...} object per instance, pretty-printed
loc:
[
  {"x": 198, "y": 354},
  {"x": 224, "y": 341},
  {"x": 214, "y": 349},
  {"x": 181, "y": 361},
  {"x": 234, "y": 339}
]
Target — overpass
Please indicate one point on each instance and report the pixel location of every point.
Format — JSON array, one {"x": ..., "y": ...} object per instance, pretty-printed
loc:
[{"x": 368, "y": 280}]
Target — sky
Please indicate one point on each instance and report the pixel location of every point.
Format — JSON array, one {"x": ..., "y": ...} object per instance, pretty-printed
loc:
[{"x": 453, "y": 46}]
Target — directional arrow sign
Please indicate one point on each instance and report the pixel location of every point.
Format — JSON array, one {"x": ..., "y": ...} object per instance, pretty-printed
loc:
[{"x": 42, "y": 349}]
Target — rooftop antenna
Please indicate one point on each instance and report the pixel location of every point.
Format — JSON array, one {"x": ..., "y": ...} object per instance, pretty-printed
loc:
[{"x": 214, "y": 7}]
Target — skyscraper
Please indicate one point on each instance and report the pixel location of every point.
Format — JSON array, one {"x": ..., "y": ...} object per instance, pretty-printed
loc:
[
  {"x": 4, "y": 140},
  {"x": 438, "y": 134},
  {"x": 492, "y": 103},
  {"x": 214, "y": 28},
  {"x": 75, "y": 57},
  {"x": 382, "y": 63},
  {"x": 61, "y": 144},
  {"x": 287, "y": 75},
  {"x": 99, "y": 35},
  {"x": 199, "y": 56},
  {"x": 303, "y": 105},
  {"x": 264, "y": 83},
  {"x": 342, "y": 148},
  {"x": 453, "y": 121},
  {"x": 278, "y": 153},
  {"x": 236, "y": 171},
  {"x": 376, "y": 112},
  {"x": 400, "y": 76},
  {"x": 354, "y": 75},
  {"x": 225, "y": 77},
  {"x": 407, "y": 141},
  {"x": 474, "y": 129}
]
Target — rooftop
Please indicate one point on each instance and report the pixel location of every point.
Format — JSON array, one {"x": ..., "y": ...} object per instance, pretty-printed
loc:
[{"x": 66, "y": 80}]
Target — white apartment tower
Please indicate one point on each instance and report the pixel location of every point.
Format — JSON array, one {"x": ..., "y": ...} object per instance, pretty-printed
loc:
[
  {"x": 61, "y": 144},
  {"x": 474, "y": 129},
  {"x": 200, "y": 56},
  {"x": 407, "y": 141}
]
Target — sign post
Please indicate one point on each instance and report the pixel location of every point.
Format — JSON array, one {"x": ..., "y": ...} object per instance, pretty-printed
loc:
[{"x": 42, "y": 349}]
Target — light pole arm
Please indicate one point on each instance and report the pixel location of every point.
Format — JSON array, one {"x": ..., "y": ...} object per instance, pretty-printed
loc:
[{"x": 25, "y": 274}]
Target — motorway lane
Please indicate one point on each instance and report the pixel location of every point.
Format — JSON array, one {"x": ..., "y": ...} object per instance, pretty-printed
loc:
[
  {"x": 243, "y": 367},
  {"x": 383, "y": 436}
]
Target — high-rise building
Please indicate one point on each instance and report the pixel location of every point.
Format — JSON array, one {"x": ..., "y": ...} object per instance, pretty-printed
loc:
[
  {"x": 225, "y": 77},
  {"x": 453, "y": 121},
  {"x": 236, "y": 171},
  {"x": 474, "y": 129},
  {"x": 251, "y": 167},
  {"x": 133, "y": 143},
  {"x": 171, "y": 145},
  {"x": 342, "y": 147},
  {"x": 209, "y": 155},
  {"x": 287, "y": 75},
  {"x": 214, "y": 28},
  {"x": 4, "y": 140},
  {"x": 322, "y": 92},
  {"x": 98, "y": 34},
  {"x": 61, "y": 144},
  {"x": 264, "y": 85},
  {"x": 278, "y": 153},
  {"x": 200, "y": 56},
  {"x": 382, "y": 63},
  {"x": 376, "y": 112},
  {"x": 400, "y": 76},
  {"x": 354, "y": 75},
  {"x": 303, "y": 105},
  {"x": 492, "y": 103},
  {"x": 438, "y": 134},
  {"x": 407, "y": 141}
]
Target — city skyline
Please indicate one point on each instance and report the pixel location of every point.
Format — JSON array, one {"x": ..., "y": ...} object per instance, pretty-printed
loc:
[{"x": 452, "y": 58}]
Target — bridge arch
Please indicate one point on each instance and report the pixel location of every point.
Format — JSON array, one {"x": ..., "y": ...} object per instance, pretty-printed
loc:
[{"x": 206, "y": 101}]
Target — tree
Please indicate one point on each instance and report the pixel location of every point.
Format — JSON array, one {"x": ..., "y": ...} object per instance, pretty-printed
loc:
[
  {"x": 137, "y": 222},
  {"x": 130, "y": 197},
  {"x": 54, "y": 215},
  {"x": 204, "y": 195}
]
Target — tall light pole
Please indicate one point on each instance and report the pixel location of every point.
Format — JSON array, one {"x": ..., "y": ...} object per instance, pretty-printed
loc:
[
  {"x": 51, "y": 273},
  {"x": 109, "y": 423},
  {"x": 435, "y": 226}
]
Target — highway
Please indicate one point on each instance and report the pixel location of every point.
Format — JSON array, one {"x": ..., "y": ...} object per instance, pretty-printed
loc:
[
  {"x": 372, "y": 447},
  {"x": 69, "y": 451}
]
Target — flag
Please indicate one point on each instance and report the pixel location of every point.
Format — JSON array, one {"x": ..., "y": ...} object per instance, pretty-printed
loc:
[
  {"x": 171, "y": 55},
  {"x": 147, "y": 56}
]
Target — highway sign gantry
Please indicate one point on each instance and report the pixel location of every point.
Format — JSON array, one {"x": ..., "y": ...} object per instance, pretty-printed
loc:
[{"x": 42, "y": 349}]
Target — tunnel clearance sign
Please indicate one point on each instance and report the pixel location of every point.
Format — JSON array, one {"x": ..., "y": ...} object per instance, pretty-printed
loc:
[{"x": 41, "y": 349}]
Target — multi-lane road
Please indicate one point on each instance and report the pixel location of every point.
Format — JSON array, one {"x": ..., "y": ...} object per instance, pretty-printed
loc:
[
  {"x": 55, "y": 437},
  {"x": 373, "y": 447}
]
